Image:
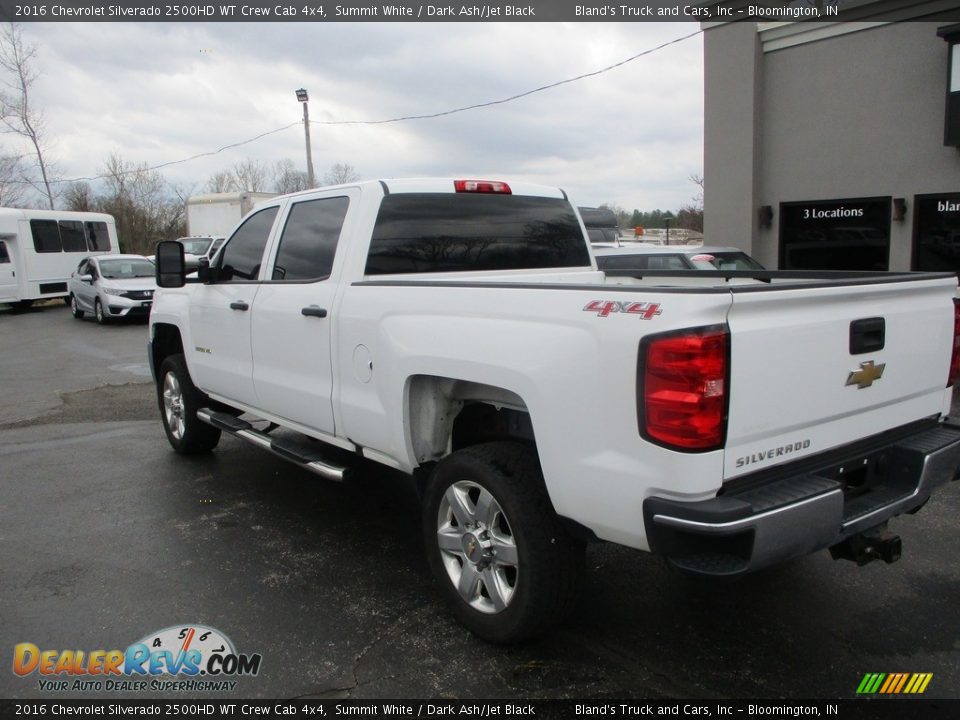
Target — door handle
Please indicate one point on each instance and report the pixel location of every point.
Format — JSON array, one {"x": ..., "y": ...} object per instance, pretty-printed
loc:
[
  {"x": 314, "y": 311},
  {"x": 239, "y": 305}
]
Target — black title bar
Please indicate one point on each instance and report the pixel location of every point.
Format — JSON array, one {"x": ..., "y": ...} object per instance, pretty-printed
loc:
[
  {"x": 873, "y": 708},
  {"x": 480, "y": 11}
]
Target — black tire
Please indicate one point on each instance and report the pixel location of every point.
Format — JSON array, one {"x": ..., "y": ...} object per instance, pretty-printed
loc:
[
  {"x": 98, "y": 312},
  {"x": 66, "y": 300},
  {"x": 544, "y": 584},
  {"x": 22, "y": 305},
  {"x": 188, "y": 435},
  {"x": 75, "y": 307}
]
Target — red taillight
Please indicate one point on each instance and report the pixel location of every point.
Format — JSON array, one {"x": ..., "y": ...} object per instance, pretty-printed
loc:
[
  {"x": 955, "y": 358},
  {"x": 683, "y": 386},
  {"x": 481, "y": 186}
]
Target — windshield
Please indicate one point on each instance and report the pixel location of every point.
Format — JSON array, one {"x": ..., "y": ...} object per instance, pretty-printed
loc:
[
  {"x": 725, "y": 261},
  {"x": 196, "y": 246},
  {"x": 125, "y": 269}
]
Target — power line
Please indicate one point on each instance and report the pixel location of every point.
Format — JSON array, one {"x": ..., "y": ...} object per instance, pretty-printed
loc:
[
  {"x": 405, "y": 118},
  {"x": 188, "y": 159},
  {"x": 511, "y": 98}
]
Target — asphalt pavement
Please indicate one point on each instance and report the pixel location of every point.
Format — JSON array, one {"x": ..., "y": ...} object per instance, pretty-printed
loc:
[{"x": 107, "y": 536}]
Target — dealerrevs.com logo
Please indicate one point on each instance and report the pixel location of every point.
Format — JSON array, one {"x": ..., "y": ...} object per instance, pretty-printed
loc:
[{"x": 181, "y": 658}]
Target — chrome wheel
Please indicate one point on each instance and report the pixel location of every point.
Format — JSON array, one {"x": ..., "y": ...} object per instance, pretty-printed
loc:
[
  {"x": 75, "y": 308},
  {"x": 173, "y": 406},
  {"x": 477, "y": 547},
  {"x": 98, "y": 311}
]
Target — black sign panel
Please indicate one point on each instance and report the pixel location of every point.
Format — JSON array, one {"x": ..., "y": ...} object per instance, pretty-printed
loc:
[
  {"x": 835, "y": 234},
  {"x": 937, "y": 232}
]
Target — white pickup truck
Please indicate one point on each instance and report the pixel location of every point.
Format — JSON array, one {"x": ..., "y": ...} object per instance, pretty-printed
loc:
[{"x": 459, "y": 331}]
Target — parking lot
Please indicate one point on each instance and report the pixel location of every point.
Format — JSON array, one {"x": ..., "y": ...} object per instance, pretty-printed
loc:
[{"x": 108, "y": 536}]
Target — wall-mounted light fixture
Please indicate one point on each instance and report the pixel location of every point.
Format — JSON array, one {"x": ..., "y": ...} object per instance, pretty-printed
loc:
[
  {"x": 899, "y": 209},
  {"x": 765, "y": 216}
]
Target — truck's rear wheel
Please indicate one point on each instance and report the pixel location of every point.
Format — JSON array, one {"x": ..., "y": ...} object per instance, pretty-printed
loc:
[
  {"x": 495, "y": 545},
  {"x": 179, "y": 401}
]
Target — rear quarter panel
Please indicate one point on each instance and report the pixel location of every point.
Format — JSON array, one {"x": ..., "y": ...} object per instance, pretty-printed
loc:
[{"x": 575, "y": 370}]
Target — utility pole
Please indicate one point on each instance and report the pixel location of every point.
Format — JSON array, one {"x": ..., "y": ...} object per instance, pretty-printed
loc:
[{"x": 304, "y": 98}]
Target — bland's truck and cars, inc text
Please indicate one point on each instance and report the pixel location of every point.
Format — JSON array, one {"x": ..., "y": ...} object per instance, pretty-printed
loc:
[{"x": 459, "y": 331}]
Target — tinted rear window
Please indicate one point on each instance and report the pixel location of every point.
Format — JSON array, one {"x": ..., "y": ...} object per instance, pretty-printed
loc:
[
  {"x": 446, "y": 232},
  {"x": 641, "y": 262},
  {"x": 97, "y": 237}
]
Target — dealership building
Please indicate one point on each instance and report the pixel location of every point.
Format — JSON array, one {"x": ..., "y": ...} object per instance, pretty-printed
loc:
[{"x": 836, "y": 145}]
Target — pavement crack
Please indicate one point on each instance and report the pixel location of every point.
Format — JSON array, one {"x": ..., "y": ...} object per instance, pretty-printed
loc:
[{"x": 345, "y": 691}]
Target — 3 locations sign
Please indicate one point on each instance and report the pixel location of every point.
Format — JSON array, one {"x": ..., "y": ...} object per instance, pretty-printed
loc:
[
  {"x": 937, "y": 232},
  {"x": 835, "y": 234}
]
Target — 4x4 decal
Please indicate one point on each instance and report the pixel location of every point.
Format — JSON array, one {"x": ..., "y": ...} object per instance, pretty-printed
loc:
[{"x": 603, "y": 308}]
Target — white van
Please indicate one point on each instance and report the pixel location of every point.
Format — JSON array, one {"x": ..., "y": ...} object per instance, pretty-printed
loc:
[{"x": 40, "y": 248}]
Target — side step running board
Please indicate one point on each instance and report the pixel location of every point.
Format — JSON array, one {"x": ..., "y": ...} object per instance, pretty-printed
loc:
[{"x": 302, "y": 453}]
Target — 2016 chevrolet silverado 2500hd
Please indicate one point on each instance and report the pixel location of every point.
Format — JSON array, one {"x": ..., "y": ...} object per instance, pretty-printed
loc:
[{"x": 459, "y": 331}]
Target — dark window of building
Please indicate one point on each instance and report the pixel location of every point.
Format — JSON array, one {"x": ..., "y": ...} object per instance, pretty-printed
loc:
[
  {"x": 46, "y": 236},
  {"x": 243, "y": 253},
  {"x": 445, "y": 232},
  {"x": 4, "y": 256},
  {"x": 835, "y": 234},
  {"x": 951, "y": 126},
  {"x": 97, "y": 237},
  {"x": 309, "y": 239},
  {"x": 72, "y": 236},
  {"x": 937, "y": 232}
]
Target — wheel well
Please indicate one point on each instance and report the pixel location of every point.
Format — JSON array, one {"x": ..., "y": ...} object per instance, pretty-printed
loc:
[
  {"x": 446, "y": 414},
  {"x": 166, "y": 342}
]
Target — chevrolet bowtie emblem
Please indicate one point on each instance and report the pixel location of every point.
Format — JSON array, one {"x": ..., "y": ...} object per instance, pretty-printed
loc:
[{"x": 864, "y": 377}]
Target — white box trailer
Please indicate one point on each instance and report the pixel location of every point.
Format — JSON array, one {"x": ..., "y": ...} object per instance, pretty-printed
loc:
[
  {"x": 39, "y": 249},
  {"x": 216, "y": 214}
]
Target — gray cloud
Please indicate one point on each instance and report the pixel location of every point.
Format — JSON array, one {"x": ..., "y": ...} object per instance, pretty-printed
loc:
[{"x": 161, "y": 92}]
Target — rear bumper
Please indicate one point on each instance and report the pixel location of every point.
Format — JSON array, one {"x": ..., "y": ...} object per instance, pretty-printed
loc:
[{"x": 806, "y": 506}]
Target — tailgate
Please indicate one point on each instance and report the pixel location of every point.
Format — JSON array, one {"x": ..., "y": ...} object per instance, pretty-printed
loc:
[{"x": 805, "y": 368}]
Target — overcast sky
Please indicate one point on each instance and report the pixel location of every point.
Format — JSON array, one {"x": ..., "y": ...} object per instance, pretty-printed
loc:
[{"x": 157, "y": 92}]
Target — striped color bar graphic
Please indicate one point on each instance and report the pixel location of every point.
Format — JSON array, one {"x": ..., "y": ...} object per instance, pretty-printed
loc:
[{"x": 894, "y": 683}]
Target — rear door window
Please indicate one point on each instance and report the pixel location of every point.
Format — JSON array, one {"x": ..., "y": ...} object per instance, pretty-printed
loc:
[
  {"x": 447, "y": 232},
  {"x": 4, "y": 255},
  {"x": 309, "y": 240}
]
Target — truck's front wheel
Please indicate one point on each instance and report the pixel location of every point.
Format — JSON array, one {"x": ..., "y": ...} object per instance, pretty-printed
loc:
[
  {"x": 179, "y": 401},
  {"x": 495, "y": 544}
]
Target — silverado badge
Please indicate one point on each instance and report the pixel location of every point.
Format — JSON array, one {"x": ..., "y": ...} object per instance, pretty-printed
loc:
[{"x": 864, "y": 377}]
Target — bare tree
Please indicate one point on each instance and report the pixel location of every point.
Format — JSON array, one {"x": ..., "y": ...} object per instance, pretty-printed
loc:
[
  {"x": 145, "y": 207},
  {"x": 79, "y": 196},
  {"x": 250, "y": 176},
  {"x": 698, "y": 181},
  {"x": 287, "y": 179},
  {"x": 341, "y": 173},
  {"x": 220, "y": 182},
  {"x": 12, "y": 189},
  {"x": 690, "y": 216},
  {"x": 16, "y": 113}
]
